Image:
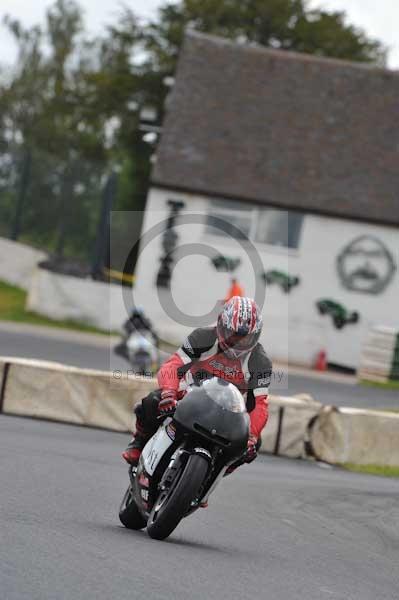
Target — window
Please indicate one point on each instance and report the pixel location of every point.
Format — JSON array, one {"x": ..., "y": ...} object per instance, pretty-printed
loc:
[
  {"x": 261, "y": 225},
  {"x": 279, "y": 228},
  {"x": 229, "y": 219}
]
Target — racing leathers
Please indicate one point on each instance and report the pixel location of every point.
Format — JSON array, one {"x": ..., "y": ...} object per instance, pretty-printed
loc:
[{"x": 200, "y": 358}]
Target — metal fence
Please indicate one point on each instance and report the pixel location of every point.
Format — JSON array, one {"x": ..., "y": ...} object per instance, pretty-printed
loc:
[{"x": 63, "y": 208}]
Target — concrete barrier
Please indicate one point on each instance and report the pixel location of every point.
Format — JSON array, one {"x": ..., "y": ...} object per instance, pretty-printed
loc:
[
  {"x": 349, "y": 435},
  {"x": 71, "y": 395},
  {"x": 94, "y": 398},
  {"x": 65, "y": 297},
  {"x": 3, "y": 369},
  {"x": 286, "y": 429},
  {"x": 297, "y": 427},
  {"x": 18, "y": 262}
]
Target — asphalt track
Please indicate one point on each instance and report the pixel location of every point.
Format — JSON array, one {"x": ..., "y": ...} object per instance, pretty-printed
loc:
[
  {"x": 96, "y": 356},
  {"x": 277, "y": 529}
]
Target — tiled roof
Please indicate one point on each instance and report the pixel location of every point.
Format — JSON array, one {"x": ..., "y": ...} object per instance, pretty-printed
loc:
[{"x": 283, "y": 129}]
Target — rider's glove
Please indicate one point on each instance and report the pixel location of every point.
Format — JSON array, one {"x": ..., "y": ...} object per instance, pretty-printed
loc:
[
  {"x": 168, "y": 402},
  {"x": 251, "y": 452}
]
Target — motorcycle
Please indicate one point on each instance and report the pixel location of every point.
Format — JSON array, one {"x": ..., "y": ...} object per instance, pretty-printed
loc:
[
  {"x": 185, "y": 460},
  {"x": 140, "y": 349}
]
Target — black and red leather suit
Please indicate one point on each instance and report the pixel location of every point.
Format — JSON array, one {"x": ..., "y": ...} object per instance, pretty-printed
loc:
[{"x": 201, "y": 358}]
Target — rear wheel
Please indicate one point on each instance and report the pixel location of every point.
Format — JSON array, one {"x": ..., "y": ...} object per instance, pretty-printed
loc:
[
  {"x": 129, "y": 514},
  {"x": 172, "y": 505}
]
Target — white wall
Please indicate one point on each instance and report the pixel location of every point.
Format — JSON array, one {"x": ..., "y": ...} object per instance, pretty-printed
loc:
[
  {"x": 64, "y": 297},
  {"x": 323, "y": 240},
  {"x": 294, "y": 331},
  {"x": 17, "y": 262}
]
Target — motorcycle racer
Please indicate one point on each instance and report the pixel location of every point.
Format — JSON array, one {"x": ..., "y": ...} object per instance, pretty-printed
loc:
[{"x": 230, "y": 351}]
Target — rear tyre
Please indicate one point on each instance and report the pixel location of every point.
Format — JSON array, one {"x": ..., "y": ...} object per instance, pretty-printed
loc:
[
  {"x": 129, "y": 514},
  {"x": 167, "y": 514}
]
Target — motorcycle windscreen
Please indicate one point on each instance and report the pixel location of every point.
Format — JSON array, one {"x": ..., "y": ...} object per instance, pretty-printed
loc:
[
  {"x": 216, "y": 410},
  {"x": 225, "y": 394}
]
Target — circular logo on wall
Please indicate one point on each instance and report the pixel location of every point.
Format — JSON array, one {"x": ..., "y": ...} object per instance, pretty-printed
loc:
[{"x": 366, "y": 265}]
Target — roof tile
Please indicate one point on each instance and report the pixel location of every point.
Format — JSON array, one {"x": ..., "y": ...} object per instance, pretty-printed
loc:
[{"x": 283, "y": 129}]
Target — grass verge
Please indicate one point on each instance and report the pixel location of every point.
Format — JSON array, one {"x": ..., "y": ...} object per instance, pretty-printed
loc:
[
  {"x": 389, "y": 385},
  {"x": 373, "y": 469},
  {"x": 12, "y": 308}
]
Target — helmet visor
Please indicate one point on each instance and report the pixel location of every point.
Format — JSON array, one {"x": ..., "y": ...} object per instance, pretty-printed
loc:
[{"x": 237, "y": 342}]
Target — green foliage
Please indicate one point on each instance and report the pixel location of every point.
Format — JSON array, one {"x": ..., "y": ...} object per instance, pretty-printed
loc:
[
  {"x": 388, "y": 385},
  {"x": 326, "y": 34},
  {"x": 285, "y": 24},
  {"x": 384, "y": 471},
  {"x": 74, "y": 106},
  {"x": 12, "y": 308}
]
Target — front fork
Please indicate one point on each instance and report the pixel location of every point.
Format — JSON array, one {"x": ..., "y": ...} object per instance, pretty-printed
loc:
[
  {"x": 177, "y": 462},
  {"x": 211, "y": 482},
  {"x": 215, "y": 483}
]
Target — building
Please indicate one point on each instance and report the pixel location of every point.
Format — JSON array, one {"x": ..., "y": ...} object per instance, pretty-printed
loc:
[{"x": 294, "y": 158}]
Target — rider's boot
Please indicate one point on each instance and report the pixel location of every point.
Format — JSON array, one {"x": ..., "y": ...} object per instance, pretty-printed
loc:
[{"x": 135, "y": 447}]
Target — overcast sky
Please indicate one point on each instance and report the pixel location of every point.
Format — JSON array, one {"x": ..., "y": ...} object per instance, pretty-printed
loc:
[{"x": 380, "y": 18}]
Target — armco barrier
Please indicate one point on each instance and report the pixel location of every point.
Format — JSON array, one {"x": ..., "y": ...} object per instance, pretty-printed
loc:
[
  {"x": 85, "y": 397},
  {"x": 349, "y": 435}
]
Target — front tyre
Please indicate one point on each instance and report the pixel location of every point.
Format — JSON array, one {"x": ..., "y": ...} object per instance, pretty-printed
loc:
[
  {"x": 129, "y": 514},
  {"x": 169, "y": 511}
]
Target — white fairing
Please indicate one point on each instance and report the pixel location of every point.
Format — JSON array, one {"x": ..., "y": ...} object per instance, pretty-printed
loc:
[
  {"x": 137, "y": 342},
  {"x": 155, "y": 449}
]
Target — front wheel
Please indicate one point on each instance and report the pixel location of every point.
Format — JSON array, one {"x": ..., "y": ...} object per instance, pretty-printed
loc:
[
  {"x": 169, "y": 510},
  {"x": 129, "y": 514}
]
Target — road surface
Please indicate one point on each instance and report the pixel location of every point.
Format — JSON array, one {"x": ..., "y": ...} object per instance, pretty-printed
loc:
[
  {"x": 81, "y": 352},
  {"x": 275, "y": 529}
]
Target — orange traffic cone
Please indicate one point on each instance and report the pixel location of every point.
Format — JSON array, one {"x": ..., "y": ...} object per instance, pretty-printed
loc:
[{"x": 321, "y": 361}]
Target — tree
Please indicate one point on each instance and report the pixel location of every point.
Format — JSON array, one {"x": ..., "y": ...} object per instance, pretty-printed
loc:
[
  {"x": 285, "y": 24},
  {"x": 119, "y": 85},
  {"x": 47, "y": 112},
  {"x": 74, "y": 108}
]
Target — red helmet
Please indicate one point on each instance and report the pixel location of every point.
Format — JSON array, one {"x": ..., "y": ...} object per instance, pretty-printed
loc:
[{"x": 239, "y": 326}]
